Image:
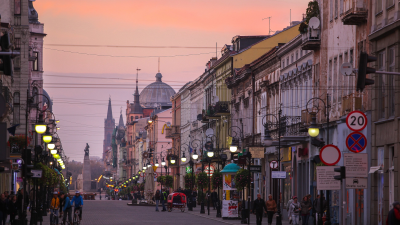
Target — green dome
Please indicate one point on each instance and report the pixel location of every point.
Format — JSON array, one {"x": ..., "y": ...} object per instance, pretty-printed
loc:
[{"x": 231, "y": 168}]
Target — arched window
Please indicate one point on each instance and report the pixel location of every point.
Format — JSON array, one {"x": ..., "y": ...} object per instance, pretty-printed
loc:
[
  {"x": 136, "y": 117},
  {"x": 131, "y": 118},
  {"x": 35, "y": 93}
]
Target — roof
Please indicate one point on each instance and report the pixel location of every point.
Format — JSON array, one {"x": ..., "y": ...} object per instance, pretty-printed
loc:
[{"x": 156, "y": 94}]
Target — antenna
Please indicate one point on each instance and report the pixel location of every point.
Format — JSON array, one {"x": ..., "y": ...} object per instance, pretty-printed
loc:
[
  {"x": 269, "y": 25},
  {"x": 290, "y": 16},
  {"x": 216, "y": 50},
  {"x": 158, "y": 64}
]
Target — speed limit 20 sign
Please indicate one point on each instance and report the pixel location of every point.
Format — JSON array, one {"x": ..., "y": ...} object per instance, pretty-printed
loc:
[{"x": 356, "y": 121}]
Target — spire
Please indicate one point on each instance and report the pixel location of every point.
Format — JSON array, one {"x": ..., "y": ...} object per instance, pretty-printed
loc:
[
  {"x": 121, "y": 120},
  {"x": 136, "y": 100},
  {"x": 109, "y": 112}
]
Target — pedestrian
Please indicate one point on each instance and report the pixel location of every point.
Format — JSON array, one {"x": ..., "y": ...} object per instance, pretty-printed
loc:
[
  {"x": 67, "y": 209},
  {"x": 13, "y": 208},
  {"x": 194, "y": 197},
  {"x": 259, "y": 207},
  {"x": 393, "y": 217},
  {"x": 31, "y": 195},
  {"x": 294, "y": 211},
  {"x": 306, "y": 207},
  {"x": 214, "y": 198},
  {"x": 54, "y": 207},
  {"x": 3, "y": 209},
  {"x": 164, "y": 199},
  {"x": 288, "y": 204},
  {"x": 62, "y": 203},
  {"x": 317, "y": 207},
  {"x": 271, "y": 208},
  {"x": 157, "y": 197}
]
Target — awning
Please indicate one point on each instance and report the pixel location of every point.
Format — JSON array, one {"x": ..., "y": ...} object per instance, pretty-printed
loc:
[{"x": 373, "y": 169}]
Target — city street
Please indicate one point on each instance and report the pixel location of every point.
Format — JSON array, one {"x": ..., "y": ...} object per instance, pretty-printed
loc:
[{"x": 118, "y": 212}]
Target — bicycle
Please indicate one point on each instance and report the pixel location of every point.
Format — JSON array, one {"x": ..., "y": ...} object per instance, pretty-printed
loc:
[
  {"x": 76, "y": 220},
  {"x": 53, "y": 220}
]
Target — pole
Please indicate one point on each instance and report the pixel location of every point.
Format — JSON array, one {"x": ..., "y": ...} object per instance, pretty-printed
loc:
[
  {"x": 278, "y": 216},
  {"x": 344, "y": 201},
  {"x": 23, "y": 213},
  {"x": 328, "y": 192},
  {"x": 209, "y": 186}
]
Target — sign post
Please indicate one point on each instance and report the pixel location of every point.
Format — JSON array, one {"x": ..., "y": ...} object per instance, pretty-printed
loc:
[
  {"x": 278, "y": 174},
  {"x": 325, "y": 180},
  {"x": 273, "y": 164},
  {"x": 356, "y": 121},
  {"x": 330, "y": 155}
]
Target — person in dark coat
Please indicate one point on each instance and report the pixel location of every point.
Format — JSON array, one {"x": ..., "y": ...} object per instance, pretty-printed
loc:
[
  {"x": 393, "y": 217},
  {"x": 157, "y": 198},
  {"x": 306, "y": 207},
  {"x": 13, "y": 208},
  {"x": 3, "y": 209},
  {"x": 258, "y": 206},
  {"x": 214, "y": 198}
]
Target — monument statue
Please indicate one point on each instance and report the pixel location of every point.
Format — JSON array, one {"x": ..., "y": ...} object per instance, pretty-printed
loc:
[
  {"x": 87, "y": 149},
  {"x": 86, "y": 171}
]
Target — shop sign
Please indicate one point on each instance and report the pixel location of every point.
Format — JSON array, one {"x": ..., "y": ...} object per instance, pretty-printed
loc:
[
  {"x": 209, "y": 170},
  {"x": 257, "y": 152},
  {"x": 286, "y": 154},
  {"x": 36, "y": 173},
  {"x": 325, "y": 180},
  {"x": 255, "y": 169},
  {"x": 188, "y": 169},
  {"x": 230, "y": 208}
]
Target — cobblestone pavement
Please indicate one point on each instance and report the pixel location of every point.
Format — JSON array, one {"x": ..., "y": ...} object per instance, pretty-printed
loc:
[{"x": 119, "y": 213}]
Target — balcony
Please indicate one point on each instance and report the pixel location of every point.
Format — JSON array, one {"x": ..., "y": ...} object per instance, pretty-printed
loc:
[
  {"x": 222, "y": 108},
  {"x": 311, "y": 40},
  {"x": 204, "y": 118},
  {"x": 355, "y": 12},
  {"x": 211, "y": 112},
  {"x": 350, "y": 103},
  {"x": 291, "y": 128},
  {"x": 172, "y": 132}
]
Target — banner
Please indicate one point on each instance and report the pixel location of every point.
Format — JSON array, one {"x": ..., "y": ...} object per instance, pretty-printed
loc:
[
  {"x": 229, "y": 182},
  {"x": 230, "y": 208}
]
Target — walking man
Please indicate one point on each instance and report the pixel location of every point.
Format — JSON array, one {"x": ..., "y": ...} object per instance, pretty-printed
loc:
[
  {"x": 393, "y": 217},
  {"x": 258, "y": 206},
  {"x": 157, "y": 197},
  {"x": 214, "y": 198}
]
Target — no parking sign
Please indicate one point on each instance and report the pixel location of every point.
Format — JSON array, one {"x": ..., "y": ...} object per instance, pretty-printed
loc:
[{"x": 356, "y": 142}]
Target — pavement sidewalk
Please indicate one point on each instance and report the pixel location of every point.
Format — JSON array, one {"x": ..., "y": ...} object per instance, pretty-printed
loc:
[{"x": 213, "y": 213}]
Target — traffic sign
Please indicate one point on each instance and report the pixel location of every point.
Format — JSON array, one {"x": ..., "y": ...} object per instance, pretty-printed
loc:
[
  {"x": 330, "y": 155},
  {"x": 356, "y": 164},
  {"x": 278, "y": 174},
  {"x": 155, "y": 175},
  {"x": 356, "y": 120},
  {"x": 325, "y": 180},
  {"x": 356, "y": 142},
  {"x": 356, "y": 183},
  {"x": 273, "y": 164},
  {"x": 141, "y": 174}
]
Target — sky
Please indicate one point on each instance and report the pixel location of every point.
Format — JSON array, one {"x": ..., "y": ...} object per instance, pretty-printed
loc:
[{"x": 93, "y": 48}]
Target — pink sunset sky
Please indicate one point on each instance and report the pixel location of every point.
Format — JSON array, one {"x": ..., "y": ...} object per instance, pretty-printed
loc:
[{"x": 136, "y": 33}]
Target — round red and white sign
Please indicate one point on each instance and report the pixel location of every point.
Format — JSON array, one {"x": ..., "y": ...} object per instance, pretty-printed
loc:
[
  {"x": 273, "y": 164},
  {"x": 155, "y": 175},
  {"x": 356, "y": 121},
  {"x": 330, "y": 155}
]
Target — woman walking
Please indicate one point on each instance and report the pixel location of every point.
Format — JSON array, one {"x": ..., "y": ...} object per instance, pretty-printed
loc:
[
  {"x": 157, "y": 197},
  {"x": 294, "y": 211},
  {"x": 271, "y": 208},
  {"x": 306, "y": 207}
]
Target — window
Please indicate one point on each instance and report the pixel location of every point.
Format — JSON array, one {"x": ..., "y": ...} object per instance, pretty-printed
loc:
[
  {"x": 297, "y": 55},
  {"x": 35, "y": 94},
  {"x": 16, "y": 108},
  {"x": 301, "y": 53},
  {"x": 389, "y": 3},
  {"x": 331, "y": 9},
  {"x": 17, "y": 7},
  {"x": 380, "y": 185},
  {"x": 292, "y": 59},
  {"x": 330, "y": 78},
  {"x": 351, "y": 78},
  {"x": 335, "y": 85},
  {"x": 283, "y": 63},
  {"x": 17, "y": 42},
  {"x": 131, "y": 118},
  {"x": 391, "y": 81},
  {"x": 378, "y": 6},
  {"x": 136, "y": 117},
  {"x": 336, "y": 9},
  {"x": 391, "y": 175},
  {"x": 36, "y": 62},
  {"x": 341, "y": 85},
  {"x": 287, "y": 61},
  {"x": 381, "y": 86}
]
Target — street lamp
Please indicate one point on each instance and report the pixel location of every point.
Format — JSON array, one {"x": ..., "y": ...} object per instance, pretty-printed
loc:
[
  {"x": 183, "y": 159},
  {"x": 148, "y": 165},
  {"x": 51, "y": 146},
  {"x": 195, "y": 156},
  {"x": 172, "y": 160},
  {"x": 163, "y": 162},
  {"x": 233, "y": 148},
  {"x": 47, "y": 137},
  {"x": 267, "y": 138},
  {"x": 40, "y": 127},
  {"x": 150, "y": 121},
  {"x": 313, "y": 130},
  {"x": 210, "y": 154},
  {"x": 156, "y": 164}
]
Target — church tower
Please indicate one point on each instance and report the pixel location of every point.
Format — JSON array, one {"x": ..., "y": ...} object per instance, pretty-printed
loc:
[{"x": 109, "y": 125}]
